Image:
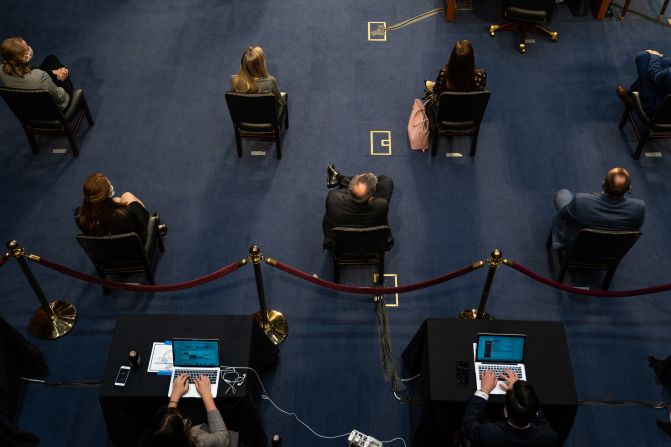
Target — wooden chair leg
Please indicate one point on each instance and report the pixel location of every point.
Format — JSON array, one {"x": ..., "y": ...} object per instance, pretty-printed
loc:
[
  {"x": 32, "y": 141},
  {"x": 474, "y": 140},
  {"x": 625, "y": 115},
  {"x": 238, "y": 142},
  {"x": 562, "y": 272},
  {"x": 434, "y": 142},
  {"x": 278, "y": 144},
  {"x": 641, "y": 143},
  {"x": 624, "y": 10},
  {"x": 73, "y": 142},
  {"x": 609, "y": 277}
]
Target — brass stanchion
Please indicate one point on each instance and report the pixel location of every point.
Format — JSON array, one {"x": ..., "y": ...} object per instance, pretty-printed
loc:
[
  {"x": 272, "y": 322},
  {"x": 479, "y": 314},
  {"x": 52, "y": 319}
]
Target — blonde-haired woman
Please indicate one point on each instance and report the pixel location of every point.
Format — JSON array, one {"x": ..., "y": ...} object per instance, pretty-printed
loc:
[{"x": 254, "y": 77}]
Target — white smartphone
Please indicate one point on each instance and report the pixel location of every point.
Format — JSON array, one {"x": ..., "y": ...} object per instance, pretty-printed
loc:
[{"x": 122, "y": 376}]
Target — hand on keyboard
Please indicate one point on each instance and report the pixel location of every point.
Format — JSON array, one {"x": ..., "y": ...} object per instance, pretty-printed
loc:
[
  {"x": 509, "y": 378},
  {"x": 204, "y": 387}
]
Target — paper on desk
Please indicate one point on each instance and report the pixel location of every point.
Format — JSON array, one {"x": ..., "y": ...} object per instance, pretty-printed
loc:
[{"x": 161, "y": 357}]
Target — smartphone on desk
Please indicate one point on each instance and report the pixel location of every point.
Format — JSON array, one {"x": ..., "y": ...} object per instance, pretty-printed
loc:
[
  {"x": 122, "y": 376},
  {"x": 462, "y": 372}
]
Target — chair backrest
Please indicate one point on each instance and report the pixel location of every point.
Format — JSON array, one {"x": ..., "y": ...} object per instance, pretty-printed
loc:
[
  {"x": 349, "y": 240},
  {"x": 114, "y": 250},
  {"x": 462, "y": 107},
  {"x": 31, "y": 105},
  {"x": 531, "y": 5},
  {"x": 254, "y": 108},
  {"x": 594, "y": 247},
  {"x": 663, "y": 114}
]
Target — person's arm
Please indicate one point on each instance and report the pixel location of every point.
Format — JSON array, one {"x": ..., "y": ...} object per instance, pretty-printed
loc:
[
  {"x": 127, "y": 198},
  {"x": 60, "y": 95},
  {"x": 179, "y": 388},
  {"x": 474, "y": 415},
  {"x": 659, "y": 74},
  {"x": 276, "y": 91},
  {"x": 217, "y": 433}
]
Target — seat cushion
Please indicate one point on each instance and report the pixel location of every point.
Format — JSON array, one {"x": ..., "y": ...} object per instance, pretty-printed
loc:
[{"x": 526, "y": 15}]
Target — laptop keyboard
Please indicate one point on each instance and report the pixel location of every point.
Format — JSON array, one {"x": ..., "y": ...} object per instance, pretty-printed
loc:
[
  {"x": 194, "y": 373},
  {"x": 498, "y": 369}
]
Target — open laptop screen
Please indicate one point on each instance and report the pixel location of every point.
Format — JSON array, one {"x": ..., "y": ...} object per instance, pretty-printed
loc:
[
  {"x": 503, "y": 348},
  {"x": 188, "y": 352}
]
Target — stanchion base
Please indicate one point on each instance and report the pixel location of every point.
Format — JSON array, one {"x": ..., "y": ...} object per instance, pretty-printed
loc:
[
  {"x": 44, "y": 326},
  {"x": 472, "y": 314},
  {"x": 277, "y": 328}
]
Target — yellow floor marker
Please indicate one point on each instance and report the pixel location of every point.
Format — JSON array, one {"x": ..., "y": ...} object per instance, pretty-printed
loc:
[
  {"x": 377, "y": 31},
  {"x": 380, "y": 142},
  {"x": 389, "y": 275}
]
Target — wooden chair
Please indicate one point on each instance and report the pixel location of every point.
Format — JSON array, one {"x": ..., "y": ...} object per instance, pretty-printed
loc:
[
  {"x": 258, "y": 116},
  {"x": 646, "y": 127},
  {"x": 597, "y": 250},
  {"x": 660, "y": 17},
  {"x": 459, "y": 114},
  {"x": 39, "y": 114},
  {"x": 124, "y": 253},
  {"x": 356, "y": 246}
]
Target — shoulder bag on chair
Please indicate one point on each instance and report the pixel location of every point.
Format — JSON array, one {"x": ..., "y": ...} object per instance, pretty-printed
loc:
[{"x": 418, "y": 127}]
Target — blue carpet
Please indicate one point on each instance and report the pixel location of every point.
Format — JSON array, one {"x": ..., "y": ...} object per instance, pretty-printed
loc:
[{"x": 155, "y": 73}]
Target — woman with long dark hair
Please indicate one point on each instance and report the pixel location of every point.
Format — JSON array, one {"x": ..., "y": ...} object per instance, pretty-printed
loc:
[
  {"x": 170, "y": 428},
  {"x": 459, "y": 74},
  {"x": 253, "y": 76},
  {"x": 104, "y": 214}
]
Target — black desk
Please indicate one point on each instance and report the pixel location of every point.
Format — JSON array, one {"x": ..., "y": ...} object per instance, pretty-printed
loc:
[
  {"x": 440, "y": 343},
  {"x": 129, "y": 410}
]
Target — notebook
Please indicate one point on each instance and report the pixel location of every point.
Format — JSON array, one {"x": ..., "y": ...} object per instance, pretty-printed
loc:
[
  {"x": 498, "y": 352},
  {"x": 195, "y": 357}
]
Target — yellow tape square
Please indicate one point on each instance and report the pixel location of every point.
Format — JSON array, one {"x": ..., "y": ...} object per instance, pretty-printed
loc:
[
  {"x": 377, "y": 31},
  {"x": 380, "y": 142},
  {"x": 389, "y": 275}
]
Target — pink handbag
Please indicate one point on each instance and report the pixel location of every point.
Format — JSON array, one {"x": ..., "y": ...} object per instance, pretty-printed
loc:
[{"x": 418, "y": 127}]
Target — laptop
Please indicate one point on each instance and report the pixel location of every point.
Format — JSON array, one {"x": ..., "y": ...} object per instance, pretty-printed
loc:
[
  {"x": 498, "y": 352},
  {"x": 195, "y": 357}
]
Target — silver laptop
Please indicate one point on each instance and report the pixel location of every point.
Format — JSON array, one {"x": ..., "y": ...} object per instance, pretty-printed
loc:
[
  {"x": 195, "y": 357},
  {"x": 498, "y": 352}
]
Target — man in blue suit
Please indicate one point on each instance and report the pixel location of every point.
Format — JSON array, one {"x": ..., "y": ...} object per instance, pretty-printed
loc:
[
  {"x": 653, "y": 82},
  {"x": 525, "y": 424},
  {"x": 611, "y": 209}
]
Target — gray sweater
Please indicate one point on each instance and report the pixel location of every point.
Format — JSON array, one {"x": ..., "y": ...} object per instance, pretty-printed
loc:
[
  {"x": 212, "y": 434},
  {"x": 35, "y": 80}
]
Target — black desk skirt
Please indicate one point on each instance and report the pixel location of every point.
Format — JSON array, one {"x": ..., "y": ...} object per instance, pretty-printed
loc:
[
  {"x": 440, "y": 343},
  {"x": 129, "y": 410}
]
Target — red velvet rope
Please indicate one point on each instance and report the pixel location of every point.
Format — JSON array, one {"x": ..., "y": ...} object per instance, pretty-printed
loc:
[
  {"x": 373, "y": 290},
  {"x": 557, "y": 285},
  {"x": 139, "y": 287}
]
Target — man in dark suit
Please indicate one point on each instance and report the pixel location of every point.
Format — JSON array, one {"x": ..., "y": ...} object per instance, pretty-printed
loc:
[
  {"x": 362, "y": 200},
  {"x": 653, "y": 82},
  {"x": 525, "y": 424},
  {"x": 611, "y": 209}
]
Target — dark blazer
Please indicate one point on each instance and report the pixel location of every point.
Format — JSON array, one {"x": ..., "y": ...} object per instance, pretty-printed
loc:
[
  {"x": 483, "y": 433},
  {"x": 342, "y": 210},
  {"x": 596, "y": 210},
  {"x": 659, "y": 72}
]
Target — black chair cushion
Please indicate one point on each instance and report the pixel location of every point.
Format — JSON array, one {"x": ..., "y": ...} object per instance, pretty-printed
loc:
[{"x": 525, "y": 15}]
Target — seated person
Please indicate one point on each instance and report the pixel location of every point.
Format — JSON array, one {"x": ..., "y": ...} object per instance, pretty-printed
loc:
[
  {"x": 254, "y": 77},
  {"x": 610, "y": 209},
  {"x": 170, "y": 427},
  {"x": 653, "y": 82},
  {"x": 103, "y": 214},
  {"x": 525, "y": 423},
  {"x": 17, "y": 73},
  {"x": 362, "y": 200},
  {"x": 459, "y": 74}
]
